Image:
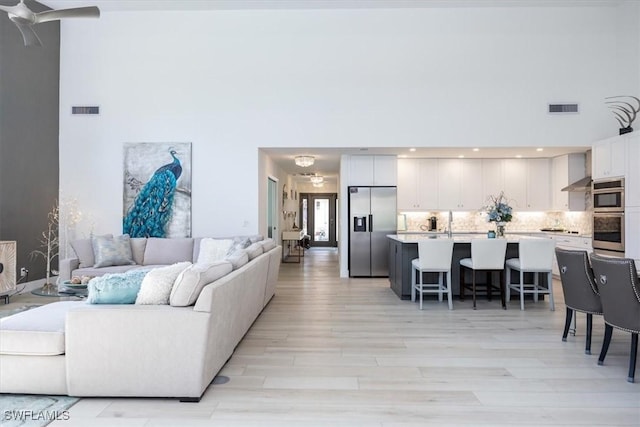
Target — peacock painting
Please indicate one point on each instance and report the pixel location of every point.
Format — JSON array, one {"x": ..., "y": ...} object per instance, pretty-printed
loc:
[{"x": 157, "y": 194}]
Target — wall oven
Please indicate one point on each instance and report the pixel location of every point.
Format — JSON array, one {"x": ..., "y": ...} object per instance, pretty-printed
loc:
[{"x": 608, "y": 216}]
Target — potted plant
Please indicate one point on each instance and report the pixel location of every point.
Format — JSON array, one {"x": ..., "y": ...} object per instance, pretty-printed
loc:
[{"x": 499, "y": 211}]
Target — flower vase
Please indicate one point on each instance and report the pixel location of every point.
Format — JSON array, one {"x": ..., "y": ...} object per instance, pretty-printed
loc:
[{"x": 499, "y": 229}]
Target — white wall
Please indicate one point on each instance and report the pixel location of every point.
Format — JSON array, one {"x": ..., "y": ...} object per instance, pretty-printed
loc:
[{"x": 233, "y": 81}]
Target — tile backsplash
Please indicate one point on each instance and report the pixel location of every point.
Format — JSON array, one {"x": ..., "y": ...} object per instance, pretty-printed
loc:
[{"x": 522, "y": 221}]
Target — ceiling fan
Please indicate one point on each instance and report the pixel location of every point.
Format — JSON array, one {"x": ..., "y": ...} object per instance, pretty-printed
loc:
[{"x": 25, "y": 19}]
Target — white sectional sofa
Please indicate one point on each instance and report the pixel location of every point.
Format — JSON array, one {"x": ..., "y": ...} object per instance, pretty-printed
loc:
[{"x": 79, "y": 349}]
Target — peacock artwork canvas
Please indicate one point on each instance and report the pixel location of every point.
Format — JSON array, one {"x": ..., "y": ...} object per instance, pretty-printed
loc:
[{"x": 157, "y": 189}]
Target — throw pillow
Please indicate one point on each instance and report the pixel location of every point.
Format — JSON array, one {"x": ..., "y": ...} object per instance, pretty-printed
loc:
[
  {"x": 212, "y": 250},
  {"x": 254, "y": 250},
  {"x": 109, "y": 250},
  {"x": 190, "y": 282},
  {"x": 157, "y": 284},
  {"x": 238, "y": 244},
  {"x": 119, "y": 288},
  {"x": 238, "y": 259},
  {"x": 84, "y": 250},
  {"x": 268, "y": 244}
]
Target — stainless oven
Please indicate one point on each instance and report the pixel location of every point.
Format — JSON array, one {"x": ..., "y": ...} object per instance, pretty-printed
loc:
[
  {"x": 608, "y": 195},
  {"x": 608, "y": 232}
]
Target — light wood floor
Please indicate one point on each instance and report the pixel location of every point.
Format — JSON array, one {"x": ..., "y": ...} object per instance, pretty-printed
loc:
[{"x": 348, "y": 352}]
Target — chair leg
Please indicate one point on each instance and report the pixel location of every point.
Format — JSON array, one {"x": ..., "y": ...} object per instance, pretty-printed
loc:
[
  {"x": 632, "y": 357},
  {"x": 587, "y": 349},
  {"x": 567, "y": 323},
  {"x": 413, "y": 284},
  {"x": 502, "y": 290},
  {"x": 449, "y": 292},
  {"x": 550, "y": 286},
  {"x": 608, "y": 331},
  {"x": 473, "y": 287},
  {"x": 522, "y": 290}
]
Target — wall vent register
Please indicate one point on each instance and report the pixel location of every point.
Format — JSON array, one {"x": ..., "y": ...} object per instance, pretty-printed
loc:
[
  {"x": 563, "y": 108},
  {"x": 85, "y": 110}
]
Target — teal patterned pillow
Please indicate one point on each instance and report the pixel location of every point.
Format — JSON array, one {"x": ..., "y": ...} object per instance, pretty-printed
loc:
[
  {"x": 119, "y": 288},
  {"x": 109, "y": 250}
]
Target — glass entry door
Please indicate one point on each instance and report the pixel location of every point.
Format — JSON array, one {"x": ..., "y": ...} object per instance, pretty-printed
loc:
[{"x": 319, "y": 218}]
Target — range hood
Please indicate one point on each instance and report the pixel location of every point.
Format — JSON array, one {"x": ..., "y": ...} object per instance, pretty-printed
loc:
[{"x": 583, "y": 184}]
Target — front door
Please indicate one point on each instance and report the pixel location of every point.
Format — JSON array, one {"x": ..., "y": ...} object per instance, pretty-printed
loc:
[{"x": 319, "y": 216}]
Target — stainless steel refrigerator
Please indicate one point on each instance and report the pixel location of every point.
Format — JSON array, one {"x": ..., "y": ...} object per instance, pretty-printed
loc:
[{"x": 372, "y": 215}]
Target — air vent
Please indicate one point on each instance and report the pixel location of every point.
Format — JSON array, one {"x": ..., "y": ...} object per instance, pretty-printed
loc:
[
  {"x": 563, "y": 108},
  {"x": 85, "y": 110}
]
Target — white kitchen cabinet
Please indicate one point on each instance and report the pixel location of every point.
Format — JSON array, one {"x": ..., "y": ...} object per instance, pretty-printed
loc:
[
  {"x": 572, "y": 243},
  {"x": 515, "y": 183},
  {"x": 538, "y": 184},
  {"x": 417, "y": 184},
  {"x": 632, "y": 177},
  {"x": 373, "y": 170},
  {"x": 609, "y": 157},
  {"x": 632, "y": 233},
  {"x": 460, "y": 184},
  {"x": 566, "y": 170},
  {"x": 492, "y": 178}
]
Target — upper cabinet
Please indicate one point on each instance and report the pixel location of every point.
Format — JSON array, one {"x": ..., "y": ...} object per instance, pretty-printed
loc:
[
  {"x": 526, "y": 183},
  {"x": 609, "y": 157},
  {"x": 566, "y": 170},
  {"x": 538, "y": 184},
  {"x": 460, "y": 184},
  {"x": 417, "y": 184},
  {"x": 373, "y": 170}
]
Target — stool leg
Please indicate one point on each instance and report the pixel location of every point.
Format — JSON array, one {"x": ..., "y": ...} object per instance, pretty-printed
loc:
[
  {"x": 587, "y": 349},
  {"x": 522, "y": 290},
  {"x": 449, "y": 291},
  {"x": 473, "y": 287},
  {"x": 508, "y": 285},
  {"x": 567, "y": 323},
  {"x": 413, "y": 284},
  {"x": 421, "y": 289},
  {"x": 440, "y": 283},
  {"x": 608, "y": 331},
  {"x": 461, "y": 283},
  {"x": 535, "y": 286},
  {"x": 502, "y": 290},
  {"x": 632, "y": 357}
]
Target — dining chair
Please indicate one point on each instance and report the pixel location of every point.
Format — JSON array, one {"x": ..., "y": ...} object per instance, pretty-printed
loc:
[
  {"x": 535, "y": 255},
  {"x": 434, "y": 256},
  {"x": 579, "y": 289},
  {"x": 619, "y": 287},
  {"x": 486, "y": 255}
]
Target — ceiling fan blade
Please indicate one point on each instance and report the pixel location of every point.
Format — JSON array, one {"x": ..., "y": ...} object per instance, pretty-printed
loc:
[
  {"x": 30, "y": 37},
  {"x": 78, "y": 12}
]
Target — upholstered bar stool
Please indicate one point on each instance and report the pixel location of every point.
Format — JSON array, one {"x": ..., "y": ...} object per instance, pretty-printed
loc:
[
  {"x": 579, "y": 289},
  {"x": 535, "y": 256},
  {"x": 486, "y": 255},
  {"x": 434, "y": 256},
  {"x": 619, "y": 287}
]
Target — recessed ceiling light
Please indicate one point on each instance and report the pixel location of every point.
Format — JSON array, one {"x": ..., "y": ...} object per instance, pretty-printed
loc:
[
  {"x": 476, "y": 149},
  {"x": 518, "y": 156},
  {"x": 539, "y": 149},
  {"x": 461, "y": 156},
  {"x": 403, "y": 156},
  {"x": 412, "y": 149}
]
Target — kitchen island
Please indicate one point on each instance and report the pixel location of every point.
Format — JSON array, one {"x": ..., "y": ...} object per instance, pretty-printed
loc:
[{"x": 403, "y": 248}]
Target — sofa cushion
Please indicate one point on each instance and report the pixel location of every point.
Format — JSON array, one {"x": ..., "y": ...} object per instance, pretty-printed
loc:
[
  {"x": 256, "y": 238},
  {"x": 36, "y": 332},
  {"x": 238, "y": 259},
  {"x": 190, "y": 282},
  {"x": 138, "y": 245},
  {"x": 254, "y": 250},
  {"x": 212, "y": 250},
  {"x": 268, "y": 244},
  {"x": 112, "y": 250},
  {"x": 119, "y": 288},
  {"x": 157, "y": 284},
  {"x": 100, "y": 271},
  {"x": 168, "y": 251},
  {"x": 84, "y": 251}
]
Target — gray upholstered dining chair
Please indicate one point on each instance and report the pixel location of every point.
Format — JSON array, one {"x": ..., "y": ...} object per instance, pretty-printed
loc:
[
  {"x": 579, "y": 289},
  {"x": 617, "y": 280}
]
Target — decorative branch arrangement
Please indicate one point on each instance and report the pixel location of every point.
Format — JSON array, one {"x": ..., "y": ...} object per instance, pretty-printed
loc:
[
  {"x": 624, "y": 110},
  {"x": 49, "y": 242},
  {"x": 498, "y": 209}
]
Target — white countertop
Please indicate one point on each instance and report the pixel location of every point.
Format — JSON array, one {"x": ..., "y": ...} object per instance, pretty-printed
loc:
[{"x": 457, "y": 238}]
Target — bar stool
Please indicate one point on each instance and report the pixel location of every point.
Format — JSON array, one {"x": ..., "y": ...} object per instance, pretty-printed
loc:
[
  {"x": 434, "y": 256},
  {"x": 619, "y": 287},
  {"x": 535, "y": 256},
  {"x": 579, "y": 289},
  {"x": 486, "y": 255}
]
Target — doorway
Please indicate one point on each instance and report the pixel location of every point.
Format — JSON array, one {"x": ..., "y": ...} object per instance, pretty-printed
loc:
[
  {"x": 272, "y": 208},
  {"x": 318, "y": 213}
]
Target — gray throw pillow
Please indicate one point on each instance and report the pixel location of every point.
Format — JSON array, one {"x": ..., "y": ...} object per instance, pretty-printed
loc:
[{"x": 112, "y": 251}]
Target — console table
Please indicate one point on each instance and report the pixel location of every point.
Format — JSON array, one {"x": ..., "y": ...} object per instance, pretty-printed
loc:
[{"x": 292, "y": 238}]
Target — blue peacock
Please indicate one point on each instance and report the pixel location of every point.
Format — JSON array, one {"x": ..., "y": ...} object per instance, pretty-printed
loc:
[{"x": 151, "y": 211}]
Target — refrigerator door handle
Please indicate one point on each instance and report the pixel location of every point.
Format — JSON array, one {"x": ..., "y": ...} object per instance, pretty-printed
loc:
[{"x": 370, "y": 222}]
